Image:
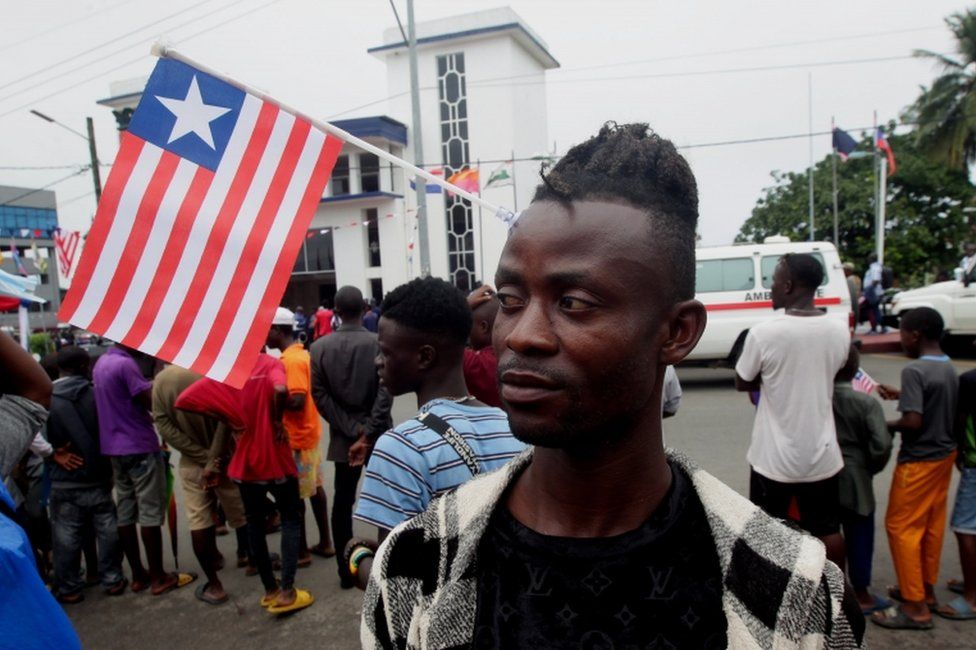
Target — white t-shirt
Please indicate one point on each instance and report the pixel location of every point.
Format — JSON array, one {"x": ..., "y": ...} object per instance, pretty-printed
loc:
[
  {"x": 671, "y": 399},
  {"x": 793, "y": 437}
]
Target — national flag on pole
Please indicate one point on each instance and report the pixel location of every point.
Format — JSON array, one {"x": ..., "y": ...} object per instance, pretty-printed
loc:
[
  {"x": 862, "y": 382},
  {"x": 881, "y": 142},
  {"x": 39, "y": 261},
  {"x": 844, "y": 144},
  {"x": 429, "y": 187},
  {"x": 501, "y": 176},
  {"x": 18, "y": 261},
  {"x": 467, "y": 179},
  {"x": 201, "y": 219},
  {"x": 66, "y": 246}
]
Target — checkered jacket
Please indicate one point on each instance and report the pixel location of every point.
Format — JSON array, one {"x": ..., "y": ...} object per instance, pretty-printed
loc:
[{"x": 778, "y": 589}]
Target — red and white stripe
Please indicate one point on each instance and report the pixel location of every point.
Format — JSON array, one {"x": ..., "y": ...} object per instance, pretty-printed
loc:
[
  {"x": 66, "y": 245},
  {"x": 188, "y": 264}
]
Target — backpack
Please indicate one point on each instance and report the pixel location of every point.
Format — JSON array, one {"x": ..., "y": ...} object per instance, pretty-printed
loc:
[{"x": 887, "y": 277}]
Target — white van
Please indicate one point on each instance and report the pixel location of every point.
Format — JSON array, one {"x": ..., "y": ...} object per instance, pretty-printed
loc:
[{"x": 733, "y": 283}]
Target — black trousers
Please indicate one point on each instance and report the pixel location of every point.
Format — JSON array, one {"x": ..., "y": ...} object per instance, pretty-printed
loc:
[
  {"x": 346, "y": 481},
  {"x": 254, "y": 496}
]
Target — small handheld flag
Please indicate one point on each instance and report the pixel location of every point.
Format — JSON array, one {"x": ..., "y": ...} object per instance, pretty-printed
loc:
[{"x": 862, "y": 382}]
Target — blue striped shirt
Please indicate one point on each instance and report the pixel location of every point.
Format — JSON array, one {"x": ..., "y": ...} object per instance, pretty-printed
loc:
[{"x": 411, "y": 463}]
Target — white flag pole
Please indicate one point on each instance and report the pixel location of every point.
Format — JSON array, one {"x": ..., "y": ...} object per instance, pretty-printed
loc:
[{"x": 163, "y": 51}]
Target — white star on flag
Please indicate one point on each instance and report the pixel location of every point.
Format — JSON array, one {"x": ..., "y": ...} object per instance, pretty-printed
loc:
[{"x": 192, "y": 115}]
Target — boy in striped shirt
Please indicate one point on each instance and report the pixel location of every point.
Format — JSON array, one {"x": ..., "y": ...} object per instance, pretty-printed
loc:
[{"x": 422, "y": 334}]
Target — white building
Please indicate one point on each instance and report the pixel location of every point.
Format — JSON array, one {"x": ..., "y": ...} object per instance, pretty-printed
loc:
[{"x": 483, "y": 98}]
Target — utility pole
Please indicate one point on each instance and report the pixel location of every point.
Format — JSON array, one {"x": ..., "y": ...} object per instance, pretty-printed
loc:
[
  {"x": 833, "y": 175},
  {"x": 418, "y": 145},
  {"x": 93, "y": 152}
]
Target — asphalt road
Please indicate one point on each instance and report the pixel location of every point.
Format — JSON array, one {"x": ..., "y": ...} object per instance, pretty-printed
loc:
[{"x": 713, "y": 427}]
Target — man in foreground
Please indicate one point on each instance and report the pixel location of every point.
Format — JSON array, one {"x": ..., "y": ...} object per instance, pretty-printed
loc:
[
  {"x": 348, "y": 394},
  {"x": 793, "y": 358},
  {"x": 596, "y": 536}
]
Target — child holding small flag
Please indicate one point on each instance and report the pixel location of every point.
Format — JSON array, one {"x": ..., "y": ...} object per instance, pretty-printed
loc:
[{"x": 866, "y": 446}]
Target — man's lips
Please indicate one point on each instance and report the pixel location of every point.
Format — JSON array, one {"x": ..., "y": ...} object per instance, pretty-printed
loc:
[{"x": 519, "y": 387}]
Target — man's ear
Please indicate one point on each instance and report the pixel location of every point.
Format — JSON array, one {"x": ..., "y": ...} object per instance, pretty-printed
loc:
[
  {"x": 685, "y": 323},
  {"x": 426, "y": 357}
]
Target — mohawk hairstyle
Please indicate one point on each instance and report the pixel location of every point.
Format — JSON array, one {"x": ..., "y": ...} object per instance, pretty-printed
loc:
[{"x": 630, "y": 163}]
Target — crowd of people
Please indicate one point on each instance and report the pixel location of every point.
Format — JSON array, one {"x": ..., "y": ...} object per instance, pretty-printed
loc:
[{"x": 530, "y": 501}]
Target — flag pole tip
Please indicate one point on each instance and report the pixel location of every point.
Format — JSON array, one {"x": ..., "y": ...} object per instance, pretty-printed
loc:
[{"x": 161, "y": 48}]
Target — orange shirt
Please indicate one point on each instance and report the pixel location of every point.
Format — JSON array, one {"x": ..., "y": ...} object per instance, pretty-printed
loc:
[{"x": 304, "y": 427}]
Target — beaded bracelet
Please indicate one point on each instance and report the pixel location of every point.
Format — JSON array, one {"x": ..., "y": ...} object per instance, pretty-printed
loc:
[{"x": 358, "y": 554}]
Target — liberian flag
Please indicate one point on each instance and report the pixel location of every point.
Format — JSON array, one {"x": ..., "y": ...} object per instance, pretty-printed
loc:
[
  {"x": 66, "y": 245},
  {"x": 862, "y": 382},
  {"x": 207, "y": 204},
  {"x": 881, "y": 142}
]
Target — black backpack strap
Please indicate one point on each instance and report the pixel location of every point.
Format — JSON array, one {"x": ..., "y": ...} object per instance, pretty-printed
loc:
[{"x": 453, "y": 438}]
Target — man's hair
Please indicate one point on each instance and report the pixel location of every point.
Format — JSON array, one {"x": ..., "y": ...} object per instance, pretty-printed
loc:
[
  {"x": 804, "y": 269},
  {"x": 73, "y": 359},
  {"x": 431, "y": 306},
  {"x": 349, "y": 301},
  {"x": 632, "y": 164},
  {"x": 847, "y": 372},
  {"x": 924, "y": 320}
]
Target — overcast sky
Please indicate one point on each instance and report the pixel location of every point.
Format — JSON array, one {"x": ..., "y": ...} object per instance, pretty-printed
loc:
[{"x": 644, "y": 60}]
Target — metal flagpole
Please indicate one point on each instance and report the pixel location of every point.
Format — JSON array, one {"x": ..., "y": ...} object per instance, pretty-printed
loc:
[
  {"x": 418, "y": 145},
  {"x": 481, "y": 229},
  {"x": 514, "y": 186},
  {"x": 813, "y": 228},
  {"x": 875, "y": 172},
  {"x": 163, "y": 51},
  {"x": 882, "y": 197},
  {"x": 833, "y": 165}
]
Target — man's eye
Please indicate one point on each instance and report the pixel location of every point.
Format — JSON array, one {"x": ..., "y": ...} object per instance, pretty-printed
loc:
[
  {"x": 507, "y": 300},
  {"x": 573, "y": 304}
]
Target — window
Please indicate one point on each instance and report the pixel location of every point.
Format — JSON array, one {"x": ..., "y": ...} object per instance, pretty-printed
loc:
[
  {"x": 769, "y": 263},
  {"x": 318, "y": 251},
  {"x": 372, "y": 236},
  {"x": 737, "y": 274},
  {"x": 376, "y": 288},
  {"x": 369, "y": 172},
  {"x": 340, "y": 176}
]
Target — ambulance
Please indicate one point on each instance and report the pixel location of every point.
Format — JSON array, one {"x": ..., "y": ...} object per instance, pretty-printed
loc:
[{"x": 733, "y": 283}]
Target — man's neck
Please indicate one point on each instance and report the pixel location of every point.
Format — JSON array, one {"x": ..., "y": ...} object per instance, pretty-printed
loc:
[
  {"x": 449, "y": 383},
  {"x": 603, "y": 493},
  {"x": 802, "y": 306}
]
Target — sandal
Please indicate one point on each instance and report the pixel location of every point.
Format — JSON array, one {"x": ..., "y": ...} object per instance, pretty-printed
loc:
[
  {"x": 202, "y": 595},
  {"x": 899, "y": 621},
  {"x": 895, "y": 593},
  {"x": 302, "y": 600},
  {"x": 70, "y": 599},
  {"x": 958, "y": 609},
  {"x": 956, "y": 586},
  {"x": 268, "y": 600},
  {"x": 304, "y": 562},
  {"x": 322, "y": 552},
  {"x": 180, "y": 580},
  {"x": 878, "y": 605}
]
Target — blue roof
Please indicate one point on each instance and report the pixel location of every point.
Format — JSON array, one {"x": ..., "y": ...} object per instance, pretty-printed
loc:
[
  {"x": 380, "y": 126},
  {"x": 360, "y": 196}
]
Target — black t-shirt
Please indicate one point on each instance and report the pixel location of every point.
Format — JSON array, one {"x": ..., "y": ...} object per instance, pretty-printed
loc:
[{"x": 658, "y": 586}]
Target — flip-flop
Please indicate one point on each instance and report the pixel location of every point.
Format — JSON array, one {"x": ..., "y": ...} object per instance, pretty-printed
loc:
[
  {"x": 304, "y": 562},
  {"x": 956, "y": 586},
  {"x": 302, "y": 600},
  {"x": 899, "y": 621},
  {"x": 878, "y": 605},
  {"x": 137, "y": 585},
  {"x": 202, "y": 595},
  {"x": 961, "y": 610},
  {"x": 268, "y": 601},
  {"x": 182, "y": 580},
  {"x": 895, "y": 593},
  {"x": 318, "y": 550}
]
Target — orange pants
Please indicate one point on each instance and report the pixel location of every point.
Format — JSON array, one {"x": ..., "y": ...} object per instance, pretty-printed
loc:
[{"x": 916, "y": 521}]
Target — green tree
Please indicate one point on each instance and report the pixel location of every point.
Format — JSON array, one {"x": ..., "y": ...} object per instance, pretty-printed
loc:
[
  {"x": 946, "y": 112},
  {"x": 927, "y": 211}
]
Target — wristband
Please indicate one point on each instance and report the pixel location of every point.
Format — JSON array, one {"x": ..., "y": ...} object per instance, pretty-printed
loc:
[{"x": 358, "y": 554}]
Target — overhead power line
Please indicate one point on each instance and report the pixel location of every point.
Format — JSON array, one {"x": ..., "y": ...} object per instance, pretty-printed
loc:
[
  {"x": 136, "y": 59},
  {"x": 43, "y": 187},
  {"x": 69, "y": 23}
]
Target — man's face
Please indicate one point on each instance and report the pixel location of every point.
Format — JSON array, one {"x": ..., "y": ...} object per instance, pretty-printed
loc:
[
  {"x": 583, "y": 296},
  {"x": 782, "y": 284},
  {"x": 970, "y": 250},
  {"x": 398, "y": 360}
]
